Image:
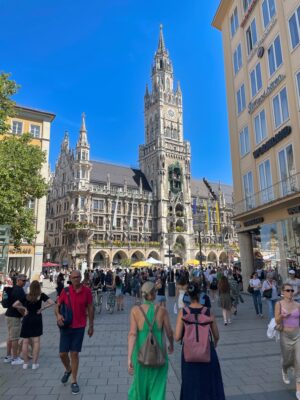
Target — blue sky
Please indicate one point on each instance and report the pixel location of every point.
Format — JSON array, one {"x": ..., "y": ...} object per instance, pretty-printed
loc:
[{"x": 95, "y": 56}]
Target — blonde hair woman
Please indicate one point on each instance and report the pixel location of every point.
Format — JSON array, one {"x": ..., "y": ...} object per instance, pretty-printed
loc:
[
  {"x": 32, "y": 324},
  {"x": 287, "y": 315},
  {"x": 148, "y": 382}
]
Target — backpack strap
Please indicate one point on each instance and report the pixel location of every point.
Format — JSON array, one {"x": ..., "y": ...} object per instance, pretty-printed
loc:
[
  {"x": 150, "y": 325},
  {"x": 187, "y": 310}
]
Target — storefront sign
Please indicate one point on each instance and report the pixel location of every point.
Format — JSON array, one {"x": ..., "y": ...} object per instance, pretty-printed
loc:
[
  {"x": 253, "y": 105},
  {"x": 254, "y": 221},
  {"x": 294, "y": 210},
  {"x": 20, "y": 250},
  {"x": 286, "y": 131}
]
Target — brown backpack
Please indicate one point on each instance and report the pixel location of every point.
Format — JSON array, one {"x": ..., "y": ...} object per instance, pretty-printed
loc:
[{"x": 151, "y": 354}]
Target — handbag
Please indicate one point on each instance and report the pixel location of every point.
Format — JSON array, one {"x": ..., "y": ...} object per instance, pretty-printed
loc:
[
  {"x": 250, "y": 289},
  {"x": 267, "y": 293},
  {"x": 151, "y": 354},
  {"x": 66, "y": 311},
  {"x": 279, "y": 327}
]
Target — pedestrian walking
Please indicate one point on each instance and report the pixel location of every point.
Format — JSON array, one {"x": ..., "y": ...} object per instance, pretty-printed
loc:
[
  {"x": 119, "y": 293},
  {"x": 181, "y": 287},
  {"x": 270, "y": 293},
  {"x": 32, "y": 323},
  {"x": 225, "y": 301},
  {"x": 60, "y": 284},
  {"x": 234, "y": 291},
  {"x": 254, "y": 289},
  {"x": 295, "y": 283},
  {"x": 80, "y": 299},
  {"x": 213, "y": 285},
  {"x": 13, "y": 320},
  {"x": 200, "y": 379},
  {"x": 287, "y": 315},
  {"x": 149, "y": 382}
]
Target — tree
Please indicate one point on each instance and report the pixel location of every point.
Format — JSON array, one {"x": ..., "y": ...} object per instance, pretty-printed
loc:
[{"x": 20, "y": 171}]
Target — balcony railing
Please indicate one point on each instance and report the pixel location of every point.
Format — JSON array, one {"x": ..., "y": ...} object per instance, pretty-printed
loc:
[{"x": 279, "y": 190}]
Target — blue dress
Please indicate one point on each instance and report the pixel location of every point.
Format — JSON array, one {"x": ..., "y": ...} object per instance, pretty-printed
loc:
[{"x": 201, "y": 381}]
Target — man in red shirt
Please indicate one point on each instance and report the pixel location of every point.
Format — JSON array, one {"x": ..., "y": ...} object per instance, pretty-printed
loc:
[{"x": 71, "y": 338}]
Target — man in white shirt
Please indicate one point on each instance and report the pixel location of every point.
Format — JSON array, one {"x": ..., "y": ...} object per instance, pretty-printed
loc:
[{"x": 295, "y": 283}]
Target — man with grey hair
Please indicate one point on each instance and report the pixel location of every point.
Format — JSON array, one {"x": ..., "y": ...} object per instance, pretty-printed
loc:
[
  {"x": 13, "y": 320},
  {"x": 79, "y": 297}
]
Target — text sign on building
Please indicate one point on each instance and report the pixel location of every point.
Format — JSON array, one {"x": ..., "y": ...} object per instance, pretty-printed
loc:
[
  {"x": 254, "y": 221},
  {"x": 294, "y": 210},
  {"x": 286, "y": 131}
]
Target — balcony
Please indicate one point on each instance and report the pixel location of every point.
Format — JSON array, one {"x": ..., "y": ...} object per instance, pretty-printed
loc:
[{"x": 282, "y": 190}]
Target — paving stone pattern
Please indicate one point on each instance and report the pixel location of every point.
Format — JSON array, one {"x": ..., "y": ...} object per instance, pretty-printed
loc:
[{"x": 250, "y": 362}]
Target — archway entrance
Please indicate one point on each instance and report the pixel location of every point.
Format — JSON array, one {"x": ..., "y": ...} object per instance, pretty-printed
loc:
[
  {"x": 137, "y": 256},
  {"x": 212, "y": 258},
  {"x": 118, "y": 257},
  {"x": 101, "y": 260}
]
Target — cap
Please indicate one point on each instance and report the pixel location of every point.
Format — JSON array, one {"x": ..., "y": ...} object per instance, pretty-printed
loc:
[
  {"x": 292, "y": 272},
  {"x": 22, "y": 277},
  {"x": 147, "y": 287}
]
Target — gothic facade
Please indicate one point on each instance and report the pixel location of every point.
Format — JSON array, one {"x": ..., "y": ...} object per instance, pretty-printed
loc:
[{"x": 105, "y": 214}]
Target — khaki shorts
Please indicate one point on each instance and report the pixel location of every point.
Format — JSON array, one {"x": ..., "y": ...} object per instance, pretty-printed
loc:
[{"x": 14, "y": 328}]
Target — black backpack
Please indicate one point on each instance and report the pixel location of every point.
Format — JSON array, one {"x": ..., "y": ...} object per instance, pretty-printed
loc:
[{"x": 7, "y": 297}]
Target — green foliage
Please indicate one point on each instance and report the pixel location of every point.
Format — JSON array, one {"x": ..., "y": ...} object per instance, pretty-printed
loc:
[
  {"x": 7, "y": 89},
  {"x": 20, "y": 171},
  {"x": 126, "y": 262}
]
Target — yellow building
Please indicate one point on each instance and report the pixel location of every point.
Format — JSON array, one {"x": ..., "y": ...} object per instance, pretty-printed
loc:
[
  {"x": 28, "y": 258},
  {"x": 261, "y": 42}
]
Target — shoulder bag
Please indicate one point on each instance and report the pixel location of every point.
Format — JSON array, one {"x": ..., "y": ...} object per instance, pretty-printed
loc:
[{"x": 66, "y": 311}]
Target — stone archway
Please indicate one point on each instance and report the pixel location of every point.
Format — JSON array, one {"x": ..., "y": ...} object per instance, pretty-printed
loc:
[
  {"x": 203, "y": 256},
  {"x": 154, "y": 254},
  {"x": 179, "y": 250},
  {"x": 212, "y": 257},
  {"x": 137, "y": 256},
  {"x": 223, "y": 258},
  {"x": 118, "y": 257},
  {"x": 101, "y": 260}
]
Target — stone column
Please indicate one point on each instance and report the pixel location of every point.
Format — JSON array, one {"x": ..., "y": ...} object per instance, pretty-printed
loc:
[{"x": 247, "y": 259}]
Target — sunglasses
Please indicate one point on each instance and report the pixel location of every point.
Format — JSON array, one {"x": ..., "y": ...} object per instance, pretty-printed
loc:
[
  {"x": 75, "y": 277},
  {"x": 289, "y": 290}
]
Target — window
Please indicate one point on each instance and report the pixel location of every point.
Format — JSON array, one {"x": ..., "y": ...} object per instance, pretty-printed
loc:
[
  {"x": 251, "y": 36},
  {"x": 82, "y": 202},
  {"x": 241, "y": 99},
  {"x": 294, "y": 24},
  {"x": 256, "y": 81},
  {"x": 287, "y": 170},
  {"x": 31, "y": 203},
  {"x": 298, "y": 85},
  {"x": 268, "y": 11},
  {"x": 280, "y": 108},
  {"x": 135, "y": 224},
  {"x": 237, "y": 59},
  {"x": 260, "y": 126},
  {"x": 119, "y": 223},
  {"x": 244, "y": 142},
  {"x": 234, "y": 22},
  {"x": 275, "y": 55},
  {"x": 35, "y": 130},
  {"x": 248, "y": 190},
  {"x": 135, "y": 209},
  {"x": 246, "y": 4},
  {"x": 98, "y": 221},
  {"x": 98, "y": 205},
  {"x": 265, "y": 181},
  {"x": 17, "y": 127}
]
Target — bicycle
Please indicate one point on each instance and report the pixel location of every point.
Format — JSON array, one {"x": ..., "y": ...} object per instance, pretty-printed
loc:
[
  {"x": 110, "y": 300},
  {"x": 97, "y": 300}
]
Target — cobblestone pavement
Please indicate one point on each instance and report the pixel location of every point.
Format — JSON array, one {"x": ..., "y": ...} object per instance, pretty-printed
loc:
[{"x": 250, "y": 362}]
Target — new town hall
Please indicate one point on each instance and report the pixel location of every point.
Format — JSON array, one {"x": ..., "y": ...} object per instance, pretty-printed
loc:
[{"x": 105, "y": 214}]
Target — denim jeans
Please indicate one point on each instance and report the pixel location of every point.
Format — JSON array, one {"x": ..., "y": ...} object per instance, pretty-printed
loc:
[
  {"x": 271, "y": 308},
  {"x": 256, "y": 296}
]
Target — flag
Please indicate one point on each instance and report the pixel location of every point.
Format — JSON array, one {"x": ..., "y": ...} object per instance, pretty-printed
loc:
[
  {"x": 131, "y": 217},
  {"x": 147, "y": 217},
  {"x": 207, "y": 216},
  {"x": 114, "y": 222}
]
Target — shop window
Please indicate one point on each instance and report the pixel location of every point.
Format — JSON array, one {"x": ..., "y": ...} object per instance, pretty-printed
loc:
[{"x": 265, "y": 181}]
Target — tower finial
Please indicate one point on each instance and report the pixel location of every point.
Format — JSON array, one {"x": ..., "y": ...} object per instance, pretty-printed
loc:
[
  {"x": 83, "y": 127},
  {"x": 161, "y": 42}
]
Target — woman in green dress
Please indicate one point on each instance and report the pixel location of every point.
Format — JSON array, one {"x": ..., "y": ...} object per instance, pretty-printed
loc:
[{"x": 149, "y": 383}]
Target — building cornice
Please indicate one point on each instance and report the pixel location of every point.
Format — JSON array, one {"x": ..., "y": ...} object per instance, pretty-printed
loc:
[
  {"x": 21, "y": 110},
  {"x": 221, "y": 13}
]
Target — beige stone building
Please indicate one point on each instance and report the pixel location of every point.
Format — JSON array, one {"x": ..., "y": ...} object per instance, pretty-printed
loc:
[
  {"x": 261, "y": 42},
  {"x": 28, "y": 258},
  {"x": 101, "y": 214}
]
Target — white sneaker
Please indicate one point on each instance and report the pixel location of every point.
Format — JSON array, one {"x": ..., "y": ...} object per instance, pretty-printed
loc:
[
  {"x": 25, "y": 366},
  {"x": 35, "y": 366},
  {"x": 298, "y": 395},
  {"x": 17, "y": 361},
  {"x": 7, "y": 359},
  {"x": 285, "y": 378}
]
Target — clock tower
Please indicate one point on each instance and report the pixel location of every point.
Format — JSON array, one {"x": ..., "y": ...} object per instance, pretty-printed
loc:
[{"x": 165, "y": 158}]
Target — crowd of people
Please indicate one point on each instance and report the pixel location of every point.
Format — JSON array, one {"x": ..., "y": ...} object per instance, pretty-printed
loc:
[{"x": 196, "y": 291}]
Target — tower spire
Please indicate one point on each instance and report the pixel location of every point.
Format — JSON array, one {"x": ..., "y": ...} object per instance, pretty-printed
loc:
[
  {"x": 161, "y": 42},
  {"x": 82, "y": 141}
]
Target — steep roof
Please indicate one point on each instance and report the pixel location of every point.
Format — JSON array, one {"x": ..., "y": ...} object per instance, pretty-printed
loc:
[
  {"x": 118, "y": 174},
  {"x": 199, "y": 188}
]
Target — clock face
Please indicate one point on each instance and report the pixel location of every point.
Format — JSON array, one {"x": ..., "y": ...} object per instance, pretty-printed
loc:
[{"x": 171, "y": 113}]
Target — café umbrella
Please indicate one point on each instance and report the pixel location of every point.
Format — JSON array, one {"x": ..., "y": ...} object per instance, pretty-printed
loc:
[
  {"x": 141, "y": 264},
  {"x": 193, "y": 262}
]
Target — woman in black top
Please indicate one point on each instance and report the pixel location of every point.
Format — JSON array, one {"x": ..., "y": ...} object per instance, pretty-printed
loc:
[
  {"x": 32, "y": 324},
  {"x": 60, "y": 284}
]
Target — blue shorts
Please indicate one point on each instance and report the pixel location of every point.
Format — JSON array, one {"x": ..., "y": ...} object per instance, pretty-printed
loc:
[
  {"x": 71, "y": 340},
  {"x": 160, "y": 298}
]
